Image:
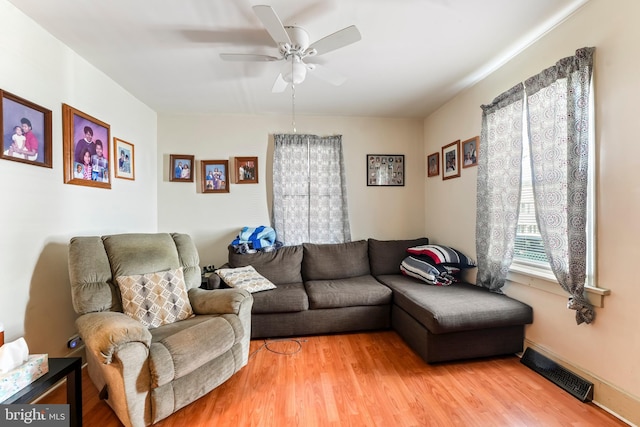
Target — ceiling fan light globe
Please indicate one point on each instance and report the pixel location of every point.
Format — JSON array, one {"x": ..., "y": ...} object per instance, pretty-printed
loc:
[{"x": 294, "y": 72}]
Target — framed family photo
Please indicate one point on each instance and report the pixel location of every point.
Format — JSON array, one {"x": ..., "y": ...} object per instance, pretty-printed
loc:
[
  {"x": 451, "y": 160},
  {"x": 433, "y": 164},
  {"x": 181, "y": 167},
  {"x": 470, "y": 149},
  {"x": 214, "y": 176},
  {"x": 123, "y": 151},
  {"x": 26, "y": 131},
  {"x": 85, "y": 149},
  {"x": 246, "y": 169},
  {"x": 385, "y": 170}
]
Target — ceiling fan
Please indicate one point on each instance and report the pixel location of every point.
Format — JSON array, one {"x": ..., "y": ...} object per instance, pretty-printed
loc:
[{"x": 294, "y": 47}]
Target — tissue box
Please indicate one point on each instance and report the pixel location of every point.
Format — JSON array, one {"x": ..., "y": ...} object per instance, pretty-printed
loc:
[{"x": 13, "y": 381}]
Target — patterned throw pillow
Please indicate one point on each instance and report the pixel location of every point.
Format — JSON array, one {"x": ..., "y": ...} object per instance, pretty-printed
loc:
[
  {"x": 155, "y": 299},
  {"x": 246, "y": 278},
  {"x": 443, "y": 255}
]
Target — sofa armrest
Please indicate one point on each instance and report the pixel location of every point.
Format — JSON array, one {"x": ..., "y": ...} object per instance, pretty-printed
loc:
[
  {"x": 103, "y": 332},
  {"x": 218, "y": 301}
]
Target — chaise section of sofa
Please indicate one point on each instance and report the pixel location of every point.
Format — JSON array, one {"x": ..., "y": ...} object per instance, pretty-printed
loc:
[{"x": 443, "y": 323}]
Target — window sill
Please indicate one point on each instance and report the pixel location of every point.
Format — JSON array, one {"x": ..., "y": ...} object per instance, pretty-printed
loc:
[{"x": 545, "y": 281}]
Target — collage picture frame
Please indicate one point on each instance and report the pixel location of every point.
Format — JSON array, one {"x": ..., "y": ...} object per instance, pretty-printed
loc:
[{"x": 385, "y": 170}]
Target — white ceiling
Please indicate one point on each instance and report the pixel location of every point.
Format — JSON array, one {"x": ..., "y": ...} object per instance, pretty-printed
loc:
[{"x": 414, "y": 54}]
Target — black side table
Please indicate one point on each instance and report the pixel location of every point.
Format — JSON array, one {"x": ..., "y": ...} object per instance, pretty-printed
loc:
[{"x": 70, "y": 367}]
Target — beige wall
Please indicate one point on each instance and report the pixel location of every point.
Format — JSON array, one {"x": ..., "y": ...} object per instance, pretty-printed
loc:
[
  {"x": 215, "y": 219},
  {"x": 38, "y": 212},
  {"x": 609, "y": 348}
]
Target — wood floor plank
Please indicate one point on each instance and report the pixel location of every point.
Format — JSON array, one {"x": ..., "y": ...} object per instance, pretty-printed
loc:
[{"x": 368, "y": 379}]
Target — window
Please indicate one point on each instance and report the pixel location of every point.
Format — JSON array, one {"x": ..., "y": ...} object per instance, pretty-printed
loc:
[
  {"x": 555, "y": 107},
  {"x": 309, "y": 190},
  {"x": 528, "y": 249},
  {"x": 529, "y": 253}
]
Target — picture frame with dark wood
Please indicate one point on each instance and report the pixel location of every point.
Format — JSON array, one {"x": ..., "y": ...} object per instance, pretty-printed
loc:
[
  {"x": 181, "y": 167},
  {"x": 246, "y": 170},
  {"x": 124, "y": 167},
  {"x": 214, "y": 176},
  {"x": 385, "y": 170},
  {"x": 470, "y": 149},
  {"x": 451, "y": 160},
  {"x": 433, "y": 164},
  {"x": 85, "y": 149},
  {"x": 25, "y": 130}
]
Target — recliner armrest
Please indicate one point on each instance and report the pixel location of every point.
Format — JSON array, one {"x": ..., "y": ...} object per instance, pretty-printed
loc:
[
  {"x": 104, "y": 331},
  {"x": 218, "y": 301}
]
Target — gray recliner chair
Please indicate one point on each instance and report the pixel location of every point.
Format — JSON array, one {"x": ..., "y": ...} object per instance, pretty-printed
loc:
[{"x": 149, "y": 373}]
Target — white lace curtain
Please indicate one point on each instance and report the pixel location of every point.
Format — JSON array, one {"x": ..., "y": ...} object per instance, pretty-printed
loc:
[
  {"x": 557, "y": 105},
  {"x": 558, "y": 118},
  {"x": 309, "y": 190},
  {"x": 498, "y": 188}
]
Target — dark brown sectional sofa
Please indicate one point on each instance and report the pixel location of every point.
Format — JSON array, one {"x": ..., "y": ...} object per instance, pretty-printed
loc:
[{"x": 358, "y": 286}]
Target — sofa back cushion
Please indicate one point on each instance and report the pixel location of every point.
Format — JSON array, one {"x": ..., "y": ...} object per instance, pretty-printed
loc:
[
  {"x": 280, "y": 266},
  {"x": 335, "y": 260},
  {"x": 385, "y": 256}
]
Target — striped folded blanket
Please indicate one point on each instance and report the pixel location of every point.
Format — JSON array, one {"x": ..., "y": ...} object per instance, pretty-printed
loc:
[{"x": 423, "y": 268}]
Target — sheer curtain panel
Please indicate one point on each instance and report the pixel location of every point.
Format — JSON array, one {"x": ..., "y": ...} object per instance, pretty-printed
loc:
[
  {"x": 309, "y": 190},
  {"x": 498, "y": 188},
  {"x": 558, "y": 122}
]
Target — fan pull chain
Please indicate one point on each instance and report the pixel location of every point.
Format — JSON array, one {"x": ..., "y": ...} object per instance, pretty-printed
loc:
[{"x": 293, "y": 106}]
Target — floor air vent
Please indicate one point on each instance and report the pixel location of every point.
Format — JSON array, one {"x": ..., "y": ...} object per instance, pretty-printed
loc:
[{"x": 562, "y": 377}]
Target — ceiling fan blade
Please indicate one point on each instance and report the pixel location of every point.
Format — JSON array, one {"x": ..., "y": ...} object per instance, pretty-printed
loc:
[
  {"x": 279, "y": 85},
  {"x": 327, "y": 74},
  {"x": 272, "y": 23},
  {"x": 334, "y": 41},
  {"x": 248, "y": 57}
]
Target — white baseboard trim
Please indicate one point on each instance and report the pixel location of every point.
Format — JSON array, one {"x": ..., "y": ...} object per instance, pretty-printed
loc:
[{"x": 618, "y": 403}]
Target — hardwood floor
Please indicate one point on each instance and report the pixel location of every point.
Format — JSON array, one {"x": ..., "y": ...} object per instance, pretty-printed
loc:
[{"x": 368, "y": 379}]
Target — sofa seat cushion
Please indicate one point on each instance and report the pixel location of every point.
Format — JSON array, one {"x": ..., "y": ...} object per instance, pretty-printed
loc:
[
  {"x": 180, "y": 348},
  {"x": 459, "y": 307},
  {"x": 280, "y": 266},
  {"x": 285, "y": 298},
  {"x": 354, "y": 291},
  {"x": 335, "y": 260}
]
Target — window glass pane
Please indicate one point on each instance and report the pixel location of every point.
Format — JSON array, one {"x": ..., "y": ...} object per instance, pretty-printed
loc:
[{"x": 528, "y": 246}]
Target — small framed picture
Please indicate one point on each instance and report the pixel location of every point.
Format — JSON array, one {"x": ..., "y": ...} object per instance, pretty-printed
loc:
[
  {"x": 86, "y": 149},
  {"x": 433, "y": 164},
  {"x": 246, "y": 169},
  {"x": 470, "y": 152},
  {"x": 385, "y": 170},
  {"x": 451, "y": 160},
  {"x": 123, "y": 152},
  {"x": 181, "y": 168},
  {"x": 214, "y": 176},
  {"x": 26, "y": 131}
]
